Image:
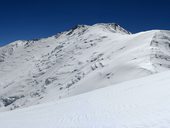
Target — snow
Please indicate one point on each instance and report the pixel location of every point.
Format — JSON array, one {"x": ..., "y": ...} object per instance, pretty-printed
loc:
[
  {"x": 140, "y": 103},
  {"x": 80, "y": 60},
  {"x": 98, "y": 76}
]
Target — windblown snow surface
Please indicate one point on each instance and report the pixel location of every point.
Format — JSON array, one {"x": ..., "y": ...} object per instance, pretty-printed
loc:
[
  {"x": 141, "y": 103},
  {"x": 76, "y": 61}
]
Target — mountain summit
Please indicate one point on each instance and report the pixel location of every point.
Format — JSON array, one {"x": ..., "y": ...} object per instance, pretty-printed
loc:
[
  {"x": 77, "y": 61},
  {"x": 112, "y": 27}
]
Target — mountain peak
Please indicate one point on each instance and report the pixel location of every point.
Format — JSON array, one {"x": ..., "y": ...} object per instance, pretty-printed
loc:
[
  {"x": 111, "y": 27},
  {"x": 114, "y": 27}
]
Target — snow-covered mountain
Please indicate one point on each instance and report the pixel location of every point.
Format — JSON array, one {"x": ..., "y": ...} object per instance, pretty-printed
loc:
[
  {"x": 82, "y": 59},
  {"x": 141, "y": 103}
]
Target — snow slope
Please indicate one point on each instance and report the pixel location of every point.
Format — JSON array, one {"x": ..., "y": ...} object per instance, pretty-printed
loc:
[
  {"x": 79, "y": 60},
  {"x": 141, "y": 103}
]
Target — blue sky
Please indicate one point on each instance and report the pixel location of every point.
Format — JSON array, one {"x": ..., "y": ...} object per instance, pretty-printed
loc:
[{"x": 28, "y": 19}]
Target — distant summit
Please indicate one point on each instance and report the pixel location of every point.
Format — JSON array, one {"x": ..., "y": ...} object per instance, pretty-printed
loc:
[{"x": 113, "y": 27}]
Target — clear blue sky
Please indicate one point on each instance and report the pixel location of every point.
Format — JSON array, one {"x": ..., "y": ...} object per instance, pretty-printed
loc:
[{"x": 27, "y": 19}]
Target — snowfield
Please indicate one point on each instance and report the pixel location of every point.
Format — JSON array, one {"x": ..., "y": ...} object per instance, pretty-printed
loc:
[
  {"x": 79, "y": 60},
  {"x": 140, "y": 103}
]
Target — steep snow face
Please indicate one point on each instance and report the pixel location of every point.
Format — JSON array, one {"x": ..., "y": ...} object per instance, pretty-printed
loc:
[
  {"x": 76, "y": 61},
  {"x": 141, "y": 103}
]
